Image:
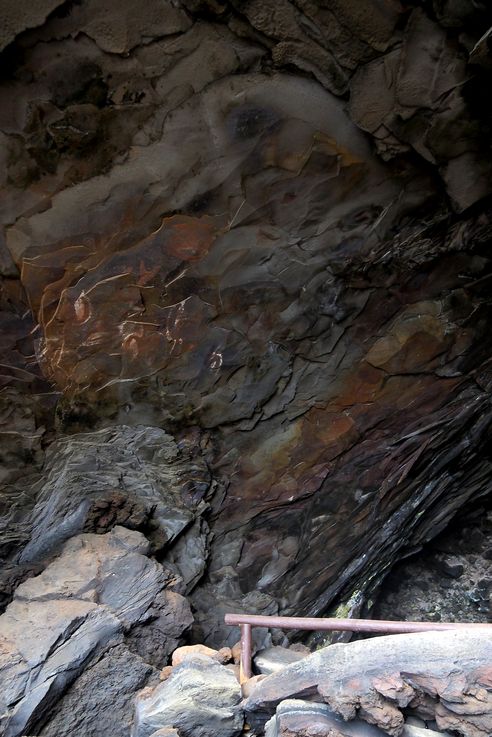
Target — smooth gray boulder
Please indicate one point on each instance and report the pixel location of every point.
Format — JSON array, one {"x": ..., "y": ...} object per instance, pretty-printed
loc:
[
  {"x": 200, "y": 699},
  {"x": 272, "y": 659}
]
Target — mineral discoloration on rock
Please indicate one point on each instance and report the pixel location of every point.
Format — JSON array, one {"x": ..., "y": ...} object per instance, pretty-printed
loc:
[
  {"x": 200, "y": 237},
  {"x": 244, "y": 292},
  {"x": 441, "y": 675}
]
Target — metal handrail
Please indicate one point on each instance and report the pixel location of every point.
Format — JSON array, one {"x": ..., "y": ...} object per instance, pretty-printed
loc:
[{"x": 333, "y": 624}]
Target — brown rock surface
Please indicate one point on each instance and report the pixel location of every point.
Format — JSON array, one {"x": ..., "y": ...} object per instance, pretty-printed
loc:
[
  {"x": 440, "y": 675},
  {"x": 202, "y": 238},
  {"x": 188, "y": 652},
  {"x": 244, "y": 291}
]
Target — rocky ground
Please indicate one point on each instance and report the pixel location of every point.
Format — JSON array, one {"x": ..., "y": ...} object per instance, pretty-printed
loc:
[
  {"x": 370, "y": 688},
  {"x": 450, "y": 581}
]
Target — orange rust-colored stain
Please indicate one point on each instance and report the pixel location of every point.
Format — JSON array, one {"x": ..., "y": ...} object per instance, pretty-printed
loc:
[
  {"x": 362, "y": 385},
  {"x": 329, "y": 432},
  {"x": 483, "y": 676},
  {"x": 330, "y": 146},
  {"x": 189, "y": 238}
]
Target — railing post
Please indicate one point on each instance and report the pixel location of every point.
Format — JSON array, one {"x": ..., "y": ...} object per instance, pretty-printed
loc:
[
  {"x": 245, "y": 671},
  {"x": 333, "y": 624}
]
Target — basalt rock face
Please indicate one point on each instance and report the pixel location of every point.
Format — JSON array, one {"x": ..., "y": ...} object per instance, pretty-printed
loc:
[
  {"x": 83, "y": 616},
  {"x": 450, "y": 580},
  {"x": 245, "y": 298},
  {"x": 442, "y": 676}
]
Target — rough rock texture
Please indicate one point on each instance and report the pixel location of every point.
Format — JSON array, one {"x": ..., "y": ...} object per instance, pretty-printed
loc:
[
  {"x": 450, "y": 580},
  {"x": 101, "y": 700},
  {"x": 295, "y": 718},
  {"x": 244, "y": 290},
  {"x": 200, "y": 698},
  {"x": 444, "y": 676},
  {"x": 81, "y": 613},
  {"x": 132, "y": 476}
]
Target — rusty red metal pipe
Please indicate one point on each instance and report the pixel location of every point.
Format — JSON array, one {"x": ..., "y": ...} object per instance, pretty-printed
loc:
[
  {"x": 245, "y": 671},
  {"x": 247, "y": 621}
]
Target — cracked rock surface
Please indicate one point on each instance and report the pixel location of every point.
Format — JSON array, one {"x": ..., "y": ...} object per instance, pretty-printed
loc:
[
  {"x": 437, "y": 675},
  {"x": 79, "y": 617},
  {"x": 245, "y": 298},
  {"x": 200, "y": 698}
]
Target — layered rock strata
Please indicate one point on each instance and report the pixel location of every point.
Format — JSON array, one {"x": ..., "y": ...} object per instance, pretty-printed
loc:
[
  {"x": 245, "y": 292},
  {"x": 442, "y": 676},
  {"x": 84, "y": 616}
]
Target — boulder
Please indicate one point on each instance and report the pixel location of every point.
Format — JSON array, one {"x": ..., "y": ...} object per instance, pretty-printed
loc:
[
  {"x": 250, "y": 684},
  {"x": 100, "y": 701},
  {"x": 74, "y": 618},
  {"x": 131, "y": 476},
  {"x": 189, "y": 652},
  {"x": 45, "y": 646},
  {"x": 273, "y": 659},
  {"x": 200, "y": 698},
  {"x": 444, "y": 676},
  {"x": 295, "y": 718}
]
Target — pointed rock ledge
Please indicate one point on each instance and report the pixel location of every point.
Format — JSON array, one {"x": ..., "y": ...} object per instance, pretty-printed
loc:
[{"x": 88, "y": 604}]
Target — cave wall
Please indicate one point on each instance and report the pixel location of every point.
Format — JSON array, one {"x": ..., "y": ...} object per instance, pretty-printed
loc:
[{"x": 245, "y": 297}]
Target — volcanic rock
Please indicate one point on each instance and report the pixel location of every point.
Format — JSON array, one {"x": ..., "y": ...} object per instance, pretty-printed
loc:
[
  {"x": 254, "y": 236},
  {"x": 295, "y": 718},
  {"x": 188, "y": 652},
  {"x": 132, "y": 476},
  {"x": 200, "y": 698},
  {"x": 441, "y": 675},
  {"x": 275, "y": 658},
  {"x": 101, "y": 700},
  {"x": 74, "y": 618}
]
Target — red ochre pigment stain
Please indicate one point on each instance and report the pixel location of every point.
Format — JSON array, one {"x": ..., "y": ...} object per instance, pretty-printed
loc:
[{"x": 188, "y": 238}]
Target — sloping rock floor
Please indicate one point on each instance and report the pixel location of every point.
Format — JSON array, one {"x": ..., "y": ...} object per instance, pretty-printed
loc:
[
  {"x": 73, "y": 655},
  {"x": 402, "y": 686},
  {"x": 84, "y": 647}
]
